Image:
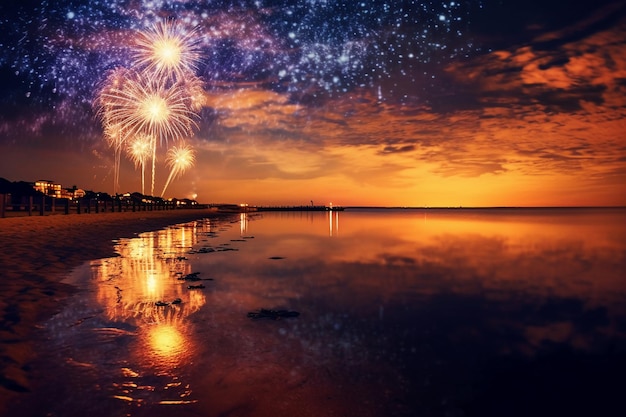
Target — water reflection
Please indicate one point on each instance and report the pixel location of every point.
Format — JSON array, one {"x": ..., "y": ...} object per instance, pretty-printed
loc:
[
  {"x": 333, "y": 223},
  {"x": 166, "y": 341},
  {"x": 144, "y": 287},
  {"x": 402, "y": 313},
  {"x": 243, "y": 223},
  {"x": 443, "y": 296},
  {"x": 126, "y": 339}
]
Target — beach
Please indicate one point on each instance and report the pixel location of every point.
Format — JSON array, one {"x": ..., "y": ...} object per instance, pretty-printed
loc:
[
  {"x": 392, "y": 313},
  {"x": 37, "y": 253}
]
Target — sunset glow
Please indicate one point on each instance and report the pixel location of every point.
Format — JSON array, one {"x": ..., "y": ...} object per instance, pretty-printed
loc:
[{"x": 415, "y": 104}]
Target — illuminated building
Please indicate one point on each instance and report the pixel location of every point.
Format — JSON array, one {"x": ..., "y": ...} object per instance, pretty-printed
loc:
[{"x": 48, "y": 188}]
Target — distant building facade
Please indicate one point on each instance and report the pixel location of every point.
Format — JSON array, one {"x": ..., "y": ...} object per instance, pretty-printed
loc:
[
  {"x": 48, "y": 188},
  {"x": 52, "y": 189},
  {"x": 73, "y": 193}
]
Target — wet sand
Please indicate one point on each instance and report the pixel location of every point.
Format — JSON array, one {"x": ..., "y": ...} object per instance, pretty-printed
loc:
[{"x": 36, "y": 254}]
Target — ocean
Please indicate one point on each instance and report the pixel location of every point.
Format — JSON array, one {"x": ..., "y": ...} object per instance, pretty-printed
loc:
[{"x": 362, "y": 312}]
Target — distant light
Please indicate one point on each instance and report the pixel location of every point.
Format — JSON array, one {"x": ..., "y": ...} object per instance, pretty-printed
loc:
[
  {"x": 442, "y": 18},
  {"x": 70, "y": 15}
]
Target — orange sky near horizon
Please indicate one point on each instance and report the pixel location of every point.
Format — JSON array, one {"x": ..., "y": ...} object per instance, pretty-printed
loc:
[{"x": 510, "y": 149}]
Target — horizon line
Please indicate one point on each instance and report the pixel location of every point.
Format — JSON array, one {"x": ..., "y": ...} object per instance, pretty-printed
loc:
[{"x": 438, "y": 207}]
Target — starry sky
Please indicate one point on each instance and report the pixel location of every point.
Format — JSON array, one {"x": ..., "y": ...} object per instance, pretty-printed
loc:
[{"x": 371, "y": 102}]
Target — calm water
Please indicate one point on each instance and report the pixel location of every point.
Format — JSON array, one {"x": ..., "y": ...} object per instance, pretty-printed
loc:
[{"x": 402, "y": 313}]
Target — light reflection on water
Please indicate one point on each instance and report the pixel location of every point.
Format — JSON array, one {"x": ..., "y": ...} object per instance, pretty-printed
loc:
[{"x": 402, "y": 313}]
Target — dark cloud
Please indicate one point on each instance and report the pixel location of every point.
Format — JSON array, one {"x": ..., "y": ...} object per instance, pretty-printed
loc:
[{"x": 389, "y": 149}]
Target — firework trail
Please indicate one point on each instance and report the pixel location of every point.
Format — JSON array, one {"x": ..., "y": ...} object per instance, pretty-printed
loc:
[
  {"x": 115, "y": 139},
  {"x": 139, "y": 151},
  {"x": 179, "y": 158},
  {"x": 113, "y": 130}
]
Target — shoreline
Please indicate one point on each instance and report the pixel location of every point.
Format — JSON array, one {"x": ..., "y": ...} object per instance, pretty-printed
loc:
[{"x": 37, "y": 253}]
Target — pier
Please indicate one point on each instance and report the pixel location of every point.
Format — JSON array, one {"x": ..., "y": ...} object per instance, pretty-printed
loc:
[{"x": 299, "y": 208}]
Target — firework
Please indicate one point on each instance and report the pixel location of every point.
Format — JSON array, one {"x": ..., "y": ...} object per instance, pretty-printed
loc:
[
  {"x": 113, "y": 130},
  {"x": 179, "y": 159},
  {"x": 167, "y": 51},
  {"x": 144, "y": 106},
  {"x": 159, "y": 100},
  {"x": 139, "y": 150},
  {"x": 115, "y": 138},
  {"x": 194, "y": 88}
]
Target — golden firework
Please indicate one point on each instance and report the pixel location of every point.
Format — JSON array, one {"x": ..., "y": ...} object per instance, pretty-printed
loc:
[
  {"x": 139, "y": 150},
  {"x": 167, "y": 50},
  {"x": 179, "y": 159},
  {"x": 158, "y": 99},
  {"x": 194, "y": 88},
  {"x": 113, "y": 130},
  {"x": 144, "y": 105}
]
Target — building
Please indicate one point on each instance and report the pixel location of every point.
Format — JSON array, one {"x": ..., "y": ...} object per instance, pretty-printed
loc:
[
  {"x": 48, "y": 188},
  {"x": 51, "y": 189},
  {"x": 73, "y": 193}
]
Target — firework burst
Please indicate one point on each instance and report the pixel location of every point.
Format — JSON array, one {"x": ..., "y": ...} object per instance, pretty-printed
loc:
[
  {"x": 179, "y": 159},
  {"x": 159, "y": 100},
  {"x": 145, "y": 106},
  {"x": 167, "y": 50}
]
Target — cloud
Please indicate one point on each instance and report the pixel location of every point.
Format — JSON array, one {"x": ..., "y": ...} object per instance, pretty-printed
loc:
[
  {"x": 388, "y": 149},
  {"x": 587, "y": 69}
]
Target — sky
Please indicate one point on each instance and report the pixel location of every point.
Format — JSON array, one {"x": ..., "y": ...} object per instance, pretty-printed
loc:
[{"x": 378, "y": 103}]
